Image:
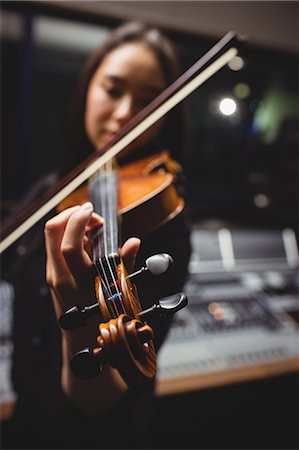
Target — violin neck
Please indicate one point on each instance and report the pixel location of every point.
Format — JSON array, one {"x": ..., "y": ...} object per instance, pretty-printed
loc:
[{"x": 103, "y": 195}]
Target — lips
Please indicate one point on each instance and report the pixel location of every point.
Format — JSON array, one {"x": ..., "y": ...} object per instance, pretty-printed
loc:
[{"x": 110, "y": 135}]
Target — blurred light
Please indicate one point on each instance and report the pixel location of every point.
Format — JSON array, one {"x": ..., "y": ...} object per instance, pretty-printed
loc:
[
  {"x": 237, "y": 63},
  {"x": 61, "y": 33},
  {"x": 278, "y": 105},
  {"x": 242, "y": 90},
  {"x": 254, "y": 105},
  {"x": 227, "y": 106},
  {"x": 216, "y": 311},
  {"x": 212, "y": 307},
  {"x": 11, "y": 25},
  {"x": 261, "y": 200}
]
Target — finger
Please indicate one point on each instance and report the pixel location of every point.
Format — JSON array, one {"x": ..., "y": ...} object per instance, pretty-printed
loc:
[
  {"x": 73, "y": 242},
  {"x": 54, "y": 230},
  {"x": 129, "y": 252}
]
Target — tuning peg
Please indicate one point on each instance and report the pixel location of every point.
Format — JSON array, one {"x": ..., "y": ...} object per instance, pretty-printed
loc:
[
  {"x": 165, "y": 307},
  {"x": 74, "y": 317},
  {"x": 154, "y": 265},
  {"x": 87, "y": 363}
]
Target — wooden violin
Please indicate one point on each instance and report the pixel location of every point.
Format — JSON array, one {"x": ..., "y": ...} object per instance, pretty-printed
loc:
[
  {"x": 145, "y": 188},
  {"x": 125, "y": 338}
]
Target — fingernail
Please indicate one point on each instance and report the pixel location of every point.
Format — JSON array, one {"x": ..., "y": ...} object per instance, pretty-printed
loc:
[{"x": 88, "y": 206}]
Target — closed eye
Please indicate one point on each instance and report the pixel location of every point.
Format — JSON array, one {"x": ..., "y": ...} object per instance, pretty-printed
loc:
[{"x": 113, "y": 91}]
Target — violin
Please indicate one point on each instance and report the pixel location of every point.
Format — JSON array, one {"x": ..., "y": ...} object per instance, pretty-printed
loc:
[
  {"x": 145, "y": 186},
  {"x": 125, "y": 337}
]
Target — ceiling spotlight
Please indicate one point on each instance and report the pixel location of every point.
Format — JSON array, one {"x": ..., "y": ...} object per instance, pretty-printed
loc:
[
  {"x": 227, "y": 106},
  {"x": 237, "y": 63},
  {"x": 261, "y": 200}
]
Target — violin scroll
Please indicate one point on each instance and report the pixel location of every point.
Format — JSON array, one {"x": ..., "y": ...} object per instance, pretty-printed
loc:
[
  {"x": 124, "y": 344},
  {"x": 124, "y": 340}
]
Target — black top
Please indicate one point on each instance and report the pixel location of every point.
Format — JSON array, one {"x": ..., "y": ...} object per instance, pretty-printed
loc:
[{"x": 44, "y": 417}]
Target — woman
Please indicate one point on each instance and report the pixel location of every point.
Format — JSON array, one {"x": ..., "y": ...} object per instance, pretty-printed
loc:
[{"x": 134, "y": 65}]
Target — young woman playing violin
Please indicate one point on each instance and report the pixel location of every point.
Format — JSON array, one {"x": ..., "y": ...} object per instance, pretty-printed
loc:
[{"x": 127, "y": 72}]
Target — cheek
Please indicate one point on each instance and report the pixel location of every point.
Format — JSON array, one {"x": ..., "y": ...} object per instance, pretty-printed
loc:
[{"x": 97, "y": 110}]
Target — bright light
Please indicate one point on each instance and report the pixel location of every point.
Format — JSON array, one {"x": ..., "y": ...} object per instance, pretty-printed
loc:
[
  {"x": 241, "y": 90},
  {"x": 261, "y": 201},
  {"x": 227, "y": 106}
]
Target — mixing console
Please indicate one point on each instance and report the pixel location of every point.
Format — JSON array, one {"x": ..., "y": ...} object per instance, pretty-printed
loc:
[{"x": 241, "y": 322}]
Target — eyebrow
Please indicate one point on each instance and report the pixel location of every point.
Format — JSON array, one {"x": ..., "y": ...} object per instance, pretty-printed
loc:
[{"x": 149, "y": 88}]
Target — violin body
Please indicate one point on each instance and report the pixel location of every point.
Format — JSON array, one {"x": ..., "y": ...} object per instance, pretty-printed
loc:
[{"x": 147, "y": 196}]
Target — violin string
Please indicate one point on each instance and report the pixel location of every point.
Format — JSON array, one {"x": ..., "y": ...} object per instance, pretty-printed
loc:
[
  {"x": 113, "y": 234},
  {"x": 109, "y": 211},
  {"x": 120, "y": 295},
  {"x": 97, "y": 244},
  {"x": 99, "y": 239},
  {"x": 108, "y": 290},
  {"x": 103, "y": 196},
  {"x": 109, "y": 224},
  {"x": 108, "y": 294}
]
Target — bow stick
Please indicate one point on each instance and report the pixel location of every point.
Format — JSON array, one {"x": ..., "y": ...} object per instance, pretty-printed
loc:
[{"x": 216, "y": 58}]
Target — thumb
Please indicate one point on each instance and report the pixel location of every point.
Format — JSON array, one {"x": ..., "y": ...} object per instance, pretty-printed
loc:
[{"x": 129, "y": 252}]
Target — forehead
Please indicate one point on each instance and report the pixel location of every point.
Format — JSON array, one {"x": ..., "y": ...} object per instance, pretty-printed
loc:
[{"x": 133, "y": 62}]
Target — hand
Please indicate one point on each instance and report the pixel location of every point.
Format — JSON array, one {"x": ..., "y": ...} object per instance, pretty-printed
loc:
[
  {"x": 70, "y": 272},
  {"x": 70, "y": 275}
]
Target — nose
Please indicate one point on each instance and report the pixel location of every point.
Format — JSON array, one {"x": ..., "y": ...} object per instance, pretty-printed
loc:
[{"x": 124, "y": 109}]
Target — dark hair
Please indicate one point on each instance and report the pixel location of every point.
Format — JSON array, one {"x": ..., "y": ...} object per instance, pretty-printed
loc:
[{"x": 77, "y": 146}]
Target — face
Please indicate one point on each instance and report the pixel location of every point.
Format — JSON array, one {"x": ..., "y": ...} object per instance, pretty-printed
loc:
[{"x": 128, "y": 79}]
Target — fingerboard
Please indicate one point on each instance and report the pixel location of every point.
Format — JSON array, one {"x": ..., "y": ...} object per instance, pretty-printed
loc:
[{"x": 103, "y": 195}]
